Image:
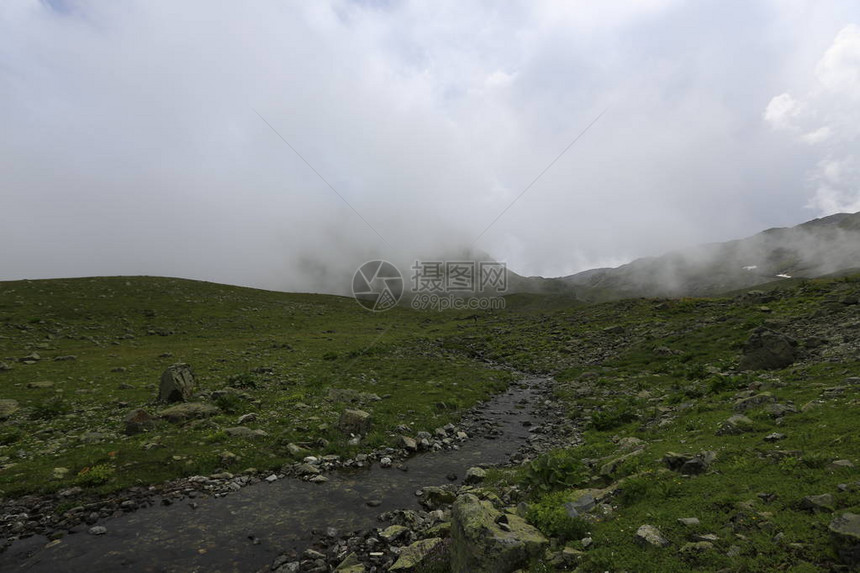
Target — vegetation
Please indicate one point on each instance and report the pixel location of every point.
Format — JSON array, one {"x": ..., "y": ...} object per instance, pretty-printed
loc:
[{"x": 661, "y": 371}]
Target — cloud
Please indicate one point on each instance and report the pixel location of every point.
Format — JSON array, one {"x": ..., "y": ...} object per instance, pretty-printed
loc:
[
  {"x": 130, "y": 142},
  {"x": 828, "y": 117}
]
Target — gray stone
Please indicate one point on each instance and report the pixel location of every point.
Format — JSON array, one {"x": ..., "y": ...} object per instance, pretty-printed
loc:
[
  {"x": 818, "y": 503},
  {"x": 350, "y": 564},
  {"x": 768, "y": 350},
  {"x": 475, "y": 475},
  {"x": 7, "y": 408},
  {"x": 245, "y": 432},
  {"x": 354, "y": 422},
  {"x": 138, "y": 421},
  {"x": 177, "y": 384},
  {"x": 434, "y": 497},
  {"x": 845, "y": 532},
  {"x": 650, "y": 535},
  {"x": 736, "y": 424},
  {"x": 481, "y": 544},
  {"x": 97, "y": 530},
  {"x": 408, "y": 444},
  {"x": 393, "y": 533},
  {"x": 413, "y": 556},
  {"x": 188, "y": 411},
  {"x": 689, "y": 521},
  {"x": 750, "y": 402}
]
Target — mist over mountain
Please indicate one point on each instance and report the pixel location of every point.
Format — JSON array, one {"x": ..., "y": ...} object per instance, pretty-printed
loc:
[{"x": 813, "y": 249}]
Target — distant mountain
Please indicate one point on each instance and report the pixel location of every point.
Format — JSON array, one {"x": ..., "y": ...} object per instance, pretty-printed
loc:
[{"x": 813, "y": 249}]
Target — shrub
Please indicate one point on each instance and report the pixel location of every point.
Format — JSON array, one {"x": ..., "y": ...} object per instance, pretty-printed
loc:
[
  {"x": 229, "y": 403},
  {"x": 245, "y": 380},
  {"x": 96, "y": 475},
  {"x": 613, "y": 416},
  {"x": 553, "y": 471},
  {"x": 550, "y": 516},
  {"x": 50, "y": 409}
]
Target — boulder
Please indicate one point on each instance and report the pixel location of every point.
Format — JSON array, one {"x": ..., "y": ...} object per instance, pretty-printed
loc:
[
  {"x": 845, "y": 532},
  {"x": 350, "y": 564},
  {"x": 354, "y": 422},
  {"x": 177, "y": 384},
  {"x": 818, "y": 503},
  {"x": 767, "y": 349},
  {"x": 188, "y": 411},
  {"x": 475, "y": 475},
  {"x": 138, "y": 421},
  {"x": 650, "y": 535},
  {"x": 485, "y": 540},
  {"x": 744, "y": 404},
  {"x": 417, "y": 554},
  {"x": 737, "y": 424},
  {"x": 7, "y": 408},
  {"x": 434, "y": 497}
]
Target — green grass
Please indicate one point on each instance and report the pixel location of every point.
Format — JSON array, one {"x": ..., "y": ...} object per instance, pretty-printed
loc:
[{"x": 663, "y": 371}]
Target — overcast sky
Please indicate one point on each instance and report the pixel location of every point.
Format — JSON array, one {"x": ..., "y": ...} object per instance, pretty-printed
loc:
[{"x": 130, "y": 140}]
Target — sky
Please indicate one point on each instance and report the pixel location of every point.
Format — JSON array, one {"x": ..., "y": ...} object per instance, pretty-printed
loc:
[{"x": 280, "y": 144}]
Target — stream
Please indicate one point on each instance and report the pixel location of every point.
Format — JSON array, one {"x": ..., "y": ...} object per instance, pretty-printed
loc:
[{"x": 246, "y": 530}]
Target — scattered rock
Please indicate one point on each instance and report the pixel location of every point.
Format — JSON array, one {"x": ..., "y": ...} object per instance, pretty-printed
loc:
[
  {"x": 354, "y": 422},
  {"x": 768, "y": 350},
  {"x": 689, "y": 521},
  {"x": 845, "y": 532},
  {"x": 188, "y": 411},
  {"x": 475, "y": 475},
  {"x": 689, "y": 464},
  {"x": 774, "y": 437},
  {"x": 479, "y": 543},
  {"x": 414, "y": 555},
  {"x": 246, "y": 418},
  {"x": 736, "y": 424},
  {"x": 350, "y": 564},
  {"x": 40, "y": 385},
  {"x": 818, "y": 503},
  {"x": 7, "y": 408},
  {"x": 138, "y": 421},
  {"x": 393, "y": 533},
  {"x": 408, "y": 444},
  {"x": 97, "y": 530},
  {"x": 177, "y": 384},
  {"x": 650, "y": 535},
  {"x": 245, "y": 432}
]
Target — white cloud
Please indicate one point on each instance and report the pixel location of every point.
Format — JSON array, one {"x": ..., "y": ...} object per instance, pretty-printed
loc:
[{"x": 782, "y": 112}]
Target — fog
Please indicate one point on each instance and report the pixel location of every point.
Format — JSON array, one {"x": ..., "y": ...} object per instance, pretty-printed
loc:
[{"x": 281, "y": 144}]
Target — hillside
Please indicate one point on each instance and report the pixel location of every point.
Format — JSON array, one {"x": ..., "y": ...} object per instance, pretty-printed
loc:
[{"x": 653, "y": 416}]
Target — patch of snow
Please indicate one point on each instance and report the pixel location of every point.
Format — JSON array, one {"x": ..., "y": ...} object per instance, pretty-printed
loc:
[
  {"x": 751, "y": 268},
  {"x": 783, "y": 276}
]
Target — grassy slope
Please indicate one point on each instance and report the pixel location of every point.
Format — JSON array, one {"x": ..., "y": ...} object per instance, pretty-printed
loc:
[
  {"x": 284, "y": 351},
  {"x": 612, "y": 379}
]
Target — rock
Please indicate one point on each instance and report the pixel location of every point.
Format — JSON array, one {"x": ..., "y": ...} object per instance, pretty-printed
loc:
[
  {"x": 689, "y": 521},
  {"x": 609, "y": 468},
  {"x": 350, "y": 564},
  {"x": 246, "y": 418},
  {"x": 7, "y": 408},
  {"x": 65, "y": 358},
  {"x": 841, "y": 464},
  {"x": 177, "y": 384},
  {"x": 650, "y": 535},
  {"x": 385, "y": 462},
  {"x": 768, "y": 350},
  {"x": 845, "y": 532},
  {"x": 138, "y": 421},
  {"x": 188, "y": 411},
  {"x": 244, "y": 432},
  {"x": 744, "y": 404},
  {"x": 818, "y": 503},
  {"x": 41, "y": 385},
  {"x": 30, "y": 358},
  {"x": 779, "y": 410},
  {"x": 689, "y": 464},
  {"x": 774, "y": 437},
  {"x": 97, "y": 530},
  {"x": 354, "y": 422},
  {"x": 393, "y": 533},
  {"x": 737, "y": 424},
  {"x": 416, "y": 554},
  {"x": 4, "y": 367},
  {"x": 481, "y": 544},
  {"x": 696, "y": 547},
  {"x": 582, "y": 504},
  {"x": 435, "y": 497},
  {"x": 630, "y": 443},
  {"x": 408, "y": 444},
  {"x": 475, "y": 475},
  {"x": 308, "y": 470}
]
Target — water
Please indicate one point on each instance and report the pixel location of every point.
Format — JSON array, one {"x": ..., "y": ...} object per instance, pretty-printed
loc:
[{"x": 219, "y": 535}]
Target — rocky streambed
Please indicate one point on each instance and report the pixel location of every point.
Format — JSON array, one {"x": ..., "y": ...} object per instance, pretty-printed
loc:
[{"x": 307, "y": 518}]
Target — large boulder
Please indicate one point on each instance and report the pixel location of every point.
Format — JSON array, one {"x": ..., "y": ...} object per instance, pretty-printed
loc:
[
  {"x": 486, "y": 541},
  {"x": 354, "y": 422},
  {"x": 7, "y": 408},
  {"x": 845, "y": 531},
  {"x": 177, "y": 384},
  {"x": 768, "y": 350},
  {"x": 188, "y": 411},
  {"x": 138, "y": 421},
  {"x": 418, "y": 554}
]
